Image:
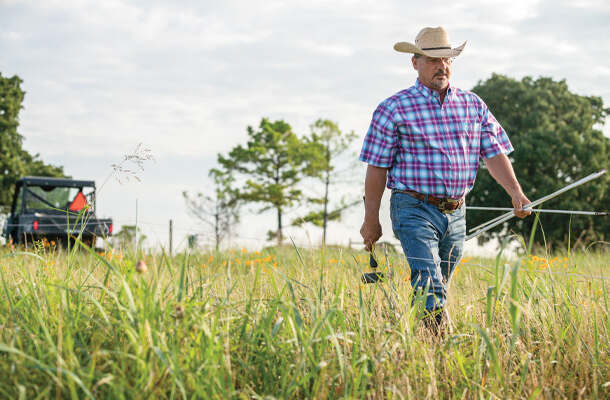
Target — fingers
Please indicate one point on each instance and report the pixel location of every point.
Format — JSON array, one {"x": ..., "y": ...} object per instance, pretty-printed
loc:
[
  {"x": 522, "y": 214},
  {"x": 525, "y": 213},
  {"x": 370, "y": 234},
  {"x": 369, "y": 242},
  {"x": 519, "y": 202}
]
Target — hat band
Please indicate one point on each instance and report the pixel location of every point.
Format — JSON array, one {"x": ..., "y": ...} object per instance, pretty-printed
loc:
[{"x": 437, "y": 48}]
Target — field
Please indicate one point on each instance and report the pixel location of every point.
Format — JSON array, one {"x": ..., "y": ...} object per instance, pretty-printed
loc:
[{"x": 297, "y": 323}]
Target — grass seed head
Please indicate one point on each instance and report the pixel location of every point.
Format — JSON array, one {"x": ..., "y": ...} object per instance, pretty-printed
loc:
[
  {"x": 179, "y": 312},
  {"x": 141, "y": 267}
]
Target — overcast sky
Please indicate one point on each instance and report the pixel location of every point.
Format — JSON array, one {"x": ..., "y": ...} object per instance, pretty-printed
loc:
[{"x": 185, "y": 79}]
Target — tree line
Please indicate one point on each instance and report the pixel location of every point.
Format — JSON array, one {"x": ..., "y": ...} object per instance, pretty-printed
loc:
[
  {"x": 556, "y": 134},
  {"x": 269, "y": 170},
  {"x": 15, "y": 161}
]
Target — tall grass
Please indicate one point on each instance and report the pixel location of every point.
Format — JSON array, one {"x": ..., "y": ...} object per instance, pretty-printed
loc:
[{"x": 297, "y": 323}]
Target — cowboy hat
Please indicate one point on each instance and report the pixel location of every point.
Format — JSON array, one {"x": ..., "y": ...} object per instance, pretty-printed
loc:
[{"x": 431, "y": 42}]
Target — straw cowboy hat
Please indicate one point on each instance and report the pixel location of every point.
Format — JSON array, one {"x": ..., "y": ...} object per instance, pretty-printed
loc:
[{"x": 431, "y": 42}]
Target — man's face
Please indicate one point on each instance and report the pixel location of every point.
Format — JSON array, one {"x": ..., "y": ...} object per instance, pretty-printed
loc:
[{"x": 433, "y": 72}]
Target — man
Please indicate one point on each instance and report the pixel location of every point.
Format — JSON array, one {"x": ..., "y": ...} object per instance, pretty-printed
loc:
[{"x": 424, "y": 143}]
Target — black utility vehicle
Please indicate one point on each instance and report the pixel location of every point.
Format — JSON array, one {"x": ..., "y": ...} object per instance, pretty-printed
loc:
[{"x": 57, "y": 209}]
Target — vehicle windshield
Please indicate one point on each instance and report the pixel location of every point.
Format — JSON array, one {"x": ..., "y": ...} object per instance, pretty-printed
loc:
[{"x": 59, "y": 198}]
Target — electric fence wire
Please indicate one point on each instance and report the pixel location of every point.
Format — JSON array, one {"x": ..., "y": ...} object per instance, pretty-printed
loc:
[
  {"x": 189, "y": 230},
  {"x": 209, "y": 237},
  {"x": 505, "y": 217}
]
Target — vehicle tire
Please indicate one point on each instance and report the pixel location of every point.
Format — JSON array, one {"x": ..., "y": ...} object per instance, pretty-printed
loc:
[{"x": 89, "y": 241}]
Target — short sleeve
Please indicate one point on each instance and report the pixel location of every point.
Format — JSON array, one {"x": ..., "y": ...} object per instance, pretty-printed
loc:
[
  {"x": 494, "y": 139},
  {"x": 379, "y": 147}
]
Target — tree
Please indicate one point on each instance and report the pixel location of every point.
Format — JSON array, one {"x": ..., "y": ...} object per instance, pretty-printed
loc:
[
  {"x": 220, "y": 211},
  {"x": 192, "y": 241},
  {"x": 271, "y": 165},
  {"x": 126, "y": 237},
  {"x": 15, "y": 162},
  {"x": 327, "y": 138},
  {"x": 557, "y": 139}
]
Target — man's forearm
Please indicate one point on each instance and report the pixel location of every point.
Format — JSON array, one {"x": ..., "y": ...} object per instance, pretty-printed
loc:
[
  {"x": 374, "y": 185},
  {"x": 502, "y": 171}
]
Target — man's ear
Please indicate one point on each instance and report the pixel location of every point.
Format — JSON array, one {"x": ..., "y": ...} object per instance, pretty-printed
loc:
[{"x": 414, "y": 61}]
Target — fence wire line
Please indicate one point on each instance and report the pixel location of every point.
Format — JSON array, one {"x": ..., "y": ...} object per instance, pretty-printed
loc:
[
  {"x": 208, "y": 237},
  {"x": 206, "y": 234}
]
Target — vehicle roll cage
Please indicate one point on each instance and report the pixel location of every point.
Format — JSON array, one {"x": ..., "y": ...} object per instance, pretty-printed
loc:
[{"x": 48, "y": 184}]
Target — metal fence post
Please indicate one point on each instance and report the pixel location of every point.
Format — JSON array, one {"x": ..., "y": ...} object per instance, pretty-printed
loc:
[{"x": 171, "y": 236}]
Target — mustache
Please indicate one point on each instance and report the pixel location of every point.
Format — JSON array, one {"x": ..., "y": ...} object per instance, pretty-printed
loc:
[{"x": 440, "y": 73}]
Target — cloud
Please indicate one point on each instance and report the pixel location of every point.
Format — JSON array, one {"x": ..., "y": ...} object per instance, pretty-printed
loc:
[{"x": 187, "y": 78}]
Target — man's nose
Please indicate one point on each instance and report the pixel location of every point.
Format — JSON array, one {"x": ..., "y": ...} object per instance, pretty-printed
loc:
[{"x": 445, "y": 62}]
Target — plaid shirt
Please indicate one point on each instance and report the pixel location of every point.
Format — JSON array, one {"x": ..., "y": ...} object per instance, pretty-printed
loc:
[{"x": 432, "y": 148}]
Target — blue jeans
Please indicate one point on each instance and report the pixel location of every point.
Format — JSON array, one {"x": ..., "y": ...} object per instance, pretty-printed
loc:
[{"x": 433, "y": 243}]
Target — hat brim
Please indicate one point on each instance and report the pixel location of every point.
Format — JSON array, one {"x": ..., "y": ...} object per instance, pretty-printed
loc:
[{"x": 406, "y": 47}]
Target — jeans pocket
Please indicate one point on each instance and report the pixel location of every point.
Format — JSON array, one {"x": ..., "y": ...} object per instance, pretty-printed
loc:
[{"x": 401, "y": 201}]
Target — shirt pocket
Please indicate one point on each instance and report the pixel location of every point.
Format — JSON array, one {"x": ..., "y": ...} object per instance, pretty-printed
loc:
[{"x": 469, "y": 134}]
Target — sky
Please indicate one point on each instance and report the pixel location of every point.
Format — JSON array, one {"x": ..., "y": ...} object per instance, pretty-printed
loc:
[{"x": 184, "y": 79}]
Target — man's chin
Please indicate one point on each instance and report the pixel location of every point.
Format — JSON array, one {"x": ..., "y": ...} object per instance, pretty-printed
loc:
[{"x": 440, "y": 84}]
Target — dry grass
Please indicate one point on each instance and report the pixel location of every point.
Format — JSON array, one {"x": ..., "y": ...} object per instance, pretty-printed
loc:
[{"x": 296, "y": 324}]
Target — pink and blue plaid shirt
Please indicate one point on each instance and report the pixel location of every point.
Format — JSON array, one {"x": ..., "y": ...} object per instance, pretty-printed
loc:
[{"x": 432, "y": 148}]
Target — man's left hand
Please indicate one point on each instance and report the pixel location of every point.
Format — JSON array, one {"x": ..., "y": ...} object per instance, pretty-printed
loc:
[{"x": 519, "y": 201}]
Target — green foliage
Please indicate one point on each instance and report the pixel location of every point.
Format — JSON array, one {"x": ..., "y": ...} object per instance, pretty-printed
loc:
[
  {"x": 269, "y": 168},
  {"x": 15, "y": 162},
  {"x": 291, "y": 324},
  {"x": 125, "y": 238},
  {"x": 329, "y": 143},
  {"x": 557, "y": 139}
]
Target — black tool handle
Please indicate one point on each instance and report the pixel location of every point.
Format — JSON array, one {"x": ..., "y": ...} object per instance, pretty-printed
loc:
[{"x": 372, "y": 261}]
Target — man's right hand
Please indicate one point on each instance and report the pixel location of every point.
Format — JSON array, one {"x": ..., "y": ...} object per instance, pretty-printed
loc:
[
  {"x": 374, "y": 185},
  {"x": 371, "y": 232}
]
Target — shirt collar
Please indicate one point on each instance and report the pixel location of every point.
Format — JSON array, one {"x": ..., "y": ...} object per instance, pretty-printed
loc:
[{"x": 427, "y": 92}]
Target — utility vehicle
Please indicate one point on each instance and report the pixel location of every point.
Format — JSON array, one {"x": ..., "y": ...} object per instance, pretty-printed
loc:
[{"x": 56, "y": 209}]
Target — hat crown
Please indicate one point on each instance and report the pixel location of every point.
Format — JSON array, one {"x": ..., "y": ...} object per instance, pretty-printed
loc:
[
  {"x": 431, "y": 42},
  {"x": 432, "y": 38}
]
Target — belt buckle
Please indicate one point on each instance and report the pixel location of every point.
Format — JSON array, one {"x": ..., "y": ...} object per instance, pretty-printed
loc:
[{"x": 442, "y": 206}]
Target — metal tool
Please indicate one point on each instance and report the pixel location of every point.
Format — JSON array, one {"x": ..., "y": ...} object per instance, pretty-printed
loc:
[
  {"x": 374, "y": 276},
  {"x": 505, "y": 217},
  {"x": 539, "y": 210},
  {"x": 535, "y": 210}
]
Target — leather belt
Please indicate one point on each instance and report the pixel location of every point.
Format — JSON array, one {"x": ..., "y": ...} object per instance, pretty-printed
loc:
[{"x": 444, "y": 205}]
